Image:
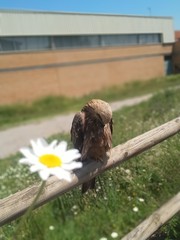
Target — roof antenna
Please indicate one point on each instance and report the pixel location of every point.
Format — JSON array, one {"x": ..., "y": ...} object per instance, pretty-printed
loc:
[{"x": 149, "y": 9}]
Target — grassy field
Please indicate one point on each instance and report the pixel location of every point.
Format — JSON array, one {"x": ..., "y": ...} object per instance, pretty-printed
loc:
[
  {"x": 143, "y": 183},
  {"x": 49, "y": 106}
]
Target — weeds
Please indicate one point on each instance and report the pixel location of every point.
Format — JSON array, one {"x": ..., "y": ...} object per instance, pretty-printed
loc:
[{"x": 124, "y": 196}]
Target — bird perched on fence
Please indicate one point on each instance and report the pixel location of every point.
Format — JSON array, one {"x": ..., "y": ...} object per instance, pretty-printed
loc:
[{"x": 91, "y": 133}]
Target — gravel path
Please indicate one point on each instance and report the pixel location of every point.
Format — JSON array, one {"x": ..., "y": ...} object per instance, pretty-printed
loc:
[{"x": 16, "y": 137}]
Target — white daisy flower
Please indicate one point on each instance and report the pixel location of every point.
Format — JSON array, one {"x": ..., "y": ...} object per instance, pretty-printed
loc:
[
  {"x": 51, "y": 228},
  {"x": 128, "y": 172},
  {"x": 51, "y": 159},
  {"x": 141, "y": 199},
  {"x": 135, "y": 209},
  {"x": 114, "y": 234}
]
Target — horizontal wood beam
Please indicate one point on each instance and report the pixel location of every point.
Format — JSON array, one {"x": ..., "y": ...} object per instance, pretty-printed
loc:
[
  {"x": 145, "y": 229},
  {"x": 15, "y": 205}
]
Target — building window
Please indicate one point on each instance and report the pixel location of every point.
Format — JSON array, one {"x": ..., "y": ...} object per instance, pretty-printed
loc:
[
  {"x": 149, "y": 38},
  {"x": 24, "y": 43},
  {"x": 38, "y": 43},
  {"x": 119, "y": 40},
  {"x": 75, "y": 41},
  {"x": 12, "y": 43},
  {"x": 34, "y": 43}
]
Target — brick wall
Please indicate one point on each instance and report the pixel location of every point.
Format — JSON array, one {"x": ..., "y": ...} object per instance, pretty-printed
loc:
[
  {"x": 30, "y": 76},
  {"x": 177, "y": 35}
]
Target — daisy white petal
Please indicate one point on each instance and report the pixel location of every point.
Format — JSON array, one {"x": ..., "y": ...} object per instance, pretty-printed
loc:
[
  {"x": 37, "y": 150},
  {"x": 72, "y": 151},
  {"x": 25, "y": 161},
  {"x": 71, "y": 155},
  {"x": 53, "y": 144},
  {"x": 27, "y": 152},
  {"x": 44, "y": 174},
  {"x": 62, "y": 146},
  {"x": 73, "y": 165},
  {"x": 41, "y": 142},
  {"x": 36, "y": 168},
  {"x": 61, "y": 174}
]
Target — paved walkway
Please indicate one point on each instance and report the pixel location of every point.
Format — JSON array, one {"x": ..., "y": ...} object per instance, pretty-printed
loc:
[{"x": 16, "y": 137}]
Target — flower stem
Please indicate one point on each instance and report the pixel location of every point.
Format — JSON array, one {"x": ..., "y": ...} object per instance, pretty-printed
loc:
[{"x": 29, "y": 210}]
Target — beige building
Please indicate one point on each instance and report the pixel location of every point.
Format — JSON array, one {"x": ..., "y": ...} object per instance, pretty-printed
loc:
[{"x": 71, "y": 54}]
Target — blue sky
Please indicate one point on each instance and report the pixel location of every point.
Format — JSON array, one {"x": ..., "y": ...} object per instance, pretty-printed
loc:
[{"x": 135, "y": 7}]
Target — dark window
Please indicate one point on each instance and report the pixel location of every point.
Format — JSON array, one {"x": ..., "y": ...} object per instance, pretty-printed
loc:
[
  {"x": 149, "y": 38},
  {"x": 85, "y": 41},
  {"x": 12, "y": 43},
  {"x": 119, "y": 40},
  {"x": 75, "y": 41},
  {"x": 168, "y": 65},
  {"x": 38, "y": 43},
  {"x": 24, "y": 43}
]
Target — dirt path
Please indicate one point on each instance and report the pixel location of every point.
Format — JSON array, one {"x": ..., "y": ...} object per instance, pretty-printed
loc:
[{"x": 14, "y": 138}]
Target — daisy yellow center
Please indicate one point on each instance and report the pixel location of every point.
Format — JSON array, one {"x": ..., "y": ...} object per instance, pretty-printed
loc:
[{"x": 50, "y": 160}]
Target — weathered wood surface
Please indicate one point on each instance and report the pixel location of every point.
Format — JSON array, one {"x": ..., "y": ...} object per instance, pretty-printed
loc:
[
  {"x": 15, "y": 205},
  {"x": 156, "y": 220}
]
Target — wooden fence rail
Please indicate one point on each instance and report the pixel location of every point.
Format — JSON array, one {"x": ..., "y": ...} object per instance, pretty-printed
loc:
[
  {"x": 145, "y": 229},
  {"x": 15, "y": 205}
]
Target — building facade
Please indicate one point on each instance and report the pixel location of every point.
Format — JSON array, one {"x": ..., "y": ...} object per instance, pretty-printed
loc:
[
  {"x": 71, "y": 54},
  {"x": 177, "y": 36}
]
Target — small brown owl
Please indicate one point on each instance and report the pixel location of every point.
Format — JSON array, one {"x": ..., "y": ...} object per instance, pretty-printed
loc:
[{"x": 91, "y": 133}]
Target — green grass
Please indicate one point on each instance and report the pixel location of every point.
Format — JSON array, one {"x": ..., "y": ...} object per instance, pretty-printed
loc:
[
  {"x": 152, "y": 176},
  {"x": 49, "y": 106}
]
